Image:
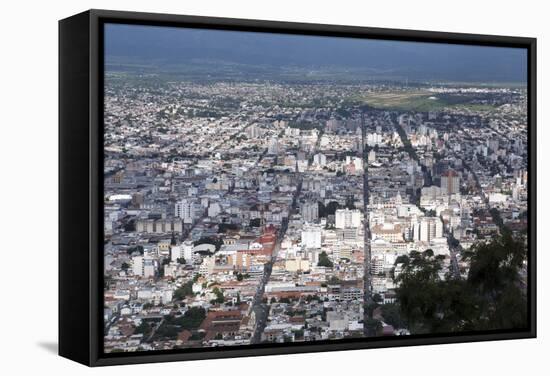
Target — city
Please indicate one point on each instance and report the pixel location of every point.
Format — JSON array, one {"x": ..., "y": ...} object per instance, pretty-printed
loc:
[{"x": 241, "y": 213}]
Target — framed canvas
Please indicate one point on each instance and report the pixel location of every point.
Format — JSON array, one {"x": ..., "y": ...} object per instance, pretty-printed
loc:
[{"x": 236, "y": 187}]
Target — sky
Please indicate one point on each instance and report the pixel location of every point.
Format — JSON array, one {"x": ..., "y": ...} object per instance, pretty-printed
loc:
[{"x": 162, "y": 45}]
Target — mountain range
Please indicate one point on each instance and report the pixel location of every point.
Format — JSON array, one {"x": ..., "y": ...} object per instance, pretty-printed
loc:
[{"x": 412, "y": 60}]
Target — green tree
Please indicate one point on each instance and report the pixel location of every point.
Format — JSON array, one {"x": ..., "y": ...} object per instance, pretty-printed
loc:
[
  {"x": 494, "y": 276},
  {"x": 172, "y": 326},
  {"x": 192, "y": 318},
  {"x": 143, "y": 328},
  {"x": 430, "y": 304},
  {"x": 324, "y": 260},
  {"x": 135, "y": 248},
  {"x": 350, "y": 203},
  {"x": 173, "y": 240},
  {"x": 329, "y": 209},
  {"x": 184, "y": 291},
  {"x": 255, "y": 222},
  {"x": 392, "y": 315},
  {"x": 491, "y": 297},
  {"x": 224, "y": 227},
  {"x": 373, "y": 326},
  {"x": 217, "y": 242},
  {"x": 219, "y": 296},
  {"x": 333, "y": 280}
]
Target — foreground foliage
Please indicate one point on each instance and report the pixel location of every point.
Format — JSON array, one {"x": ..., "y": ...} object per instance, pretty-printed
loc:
[{"x": 490, "y": 297}]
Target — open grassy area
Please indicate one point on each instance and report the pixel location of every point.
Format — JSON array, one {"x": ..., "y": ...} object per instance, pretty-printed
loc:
[{"x": 420, "y": 101}]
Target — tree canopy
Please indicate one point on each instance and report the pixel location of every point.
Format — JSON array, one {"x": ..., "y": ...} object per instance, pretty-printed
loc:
[
  {"x": 490, "y": 297},
  {"x": 324, "y": 260},
  {"x": 184, "y": 291}
]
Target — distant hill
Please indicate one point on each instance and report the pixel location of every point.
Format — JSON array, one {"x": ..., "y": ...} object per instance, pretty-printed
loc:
[{"x": 412, "y": 60}]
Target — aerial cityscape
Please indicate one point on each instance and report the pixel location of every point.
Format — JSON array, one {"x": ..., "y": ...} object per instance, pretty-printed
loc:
[{"x": 249, "y": 203}]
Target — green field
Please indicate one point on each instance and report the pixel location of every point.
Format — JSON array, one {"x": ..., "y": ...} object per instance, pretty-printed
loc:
[{"x": 420, "y": 101}]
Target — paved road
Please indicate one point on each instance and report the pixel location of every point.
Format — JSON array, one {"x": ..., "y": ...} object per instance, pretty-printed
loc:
[
  {"x": 367, "y": 283},
  {"x": 455, "y": 250},
  {"x": 262, "y": 309}
]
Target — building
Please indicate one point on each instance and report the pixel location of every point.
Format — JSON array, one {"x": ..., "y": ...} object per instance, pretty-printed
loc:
[
  {"x": 254, "y": 131},
  {"x": 356, "y": 162},
  {"x": 297, "y": 264},
  {"x": 349, "y": 234},
  {"x": 273, "y": 147},
  {"x": 143, "y": 266},
  {"x": 159, "y": 226},
  {"x": 372, "y": 156},
  {"x": 137, "y": 265},
  {"x": 214, "y": 209},
  {"x": 310, "y": 211},
  {"x": 186, "y": 209},
  {"x": 428, "y": 228},
  {"x": 311, "y": 237},
  {"x": 184, "y": 250},
  {"x": 319, "y": 159},
  {"x": 450, "y": 182},
  {"x": 388, "y": 231},
  {"x": 345, "y": 218}
]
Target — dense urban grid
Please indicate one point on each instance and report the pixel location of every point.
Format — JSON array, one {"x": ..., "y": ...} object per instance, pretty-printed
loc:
[{"x": 247, "y": 212}]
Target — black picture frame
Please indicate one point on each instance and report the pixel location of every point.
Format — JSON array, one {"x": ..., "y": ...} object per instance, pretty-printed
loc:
[{"x": 81, "y": 184}]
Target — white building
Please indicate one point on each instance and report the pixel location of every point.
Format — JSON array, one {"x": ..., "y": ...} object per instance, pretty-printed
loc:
[
  {"x": 311, "y": 237},
  {"x": 184, "y": 250},
  {"x": 273, "y": 147},
  {"x": 143, "y": 266},
  {"x": 207, "y": 266},
  {"x": 302, "y": 165},
  {"x": 372, "y": 156},
  {"x": 137, "y": 265},
  {"x": 186, "y": 209},
  {"x": 319, "y": 159},
  {"x": 428, "y": 228},
  {"x": 497, "y": 198},
  {"x": 347, "y": 218}
]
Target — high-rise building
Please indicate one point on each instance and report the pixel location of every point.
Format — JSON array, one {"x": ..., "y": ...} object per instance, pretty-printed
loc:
[
  {"x": 358, "y": 163},
  {"x": 372, "y": 156},
  {"x": 310, "y": 211},
  {"x": 214, "y": 209},
  {"x": 186, "y": 210},
  {"x": 302, "y": 165},
  {"x": 311, "y": 237},
  {"x": 184, "y": 250},
  {"x": 345, "y": 218},
  {"x": 429, "y": 228},
  {"x": 253, "y": 131},
  {"x": 143, "y": 266},
  {"x": 273, "y": 147},
  {"x": 137, "y": 265},
  {"x": 350, "y": 234},
  {"x": 450, "y": 182},
  {"x": 319, "y": 159}
]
